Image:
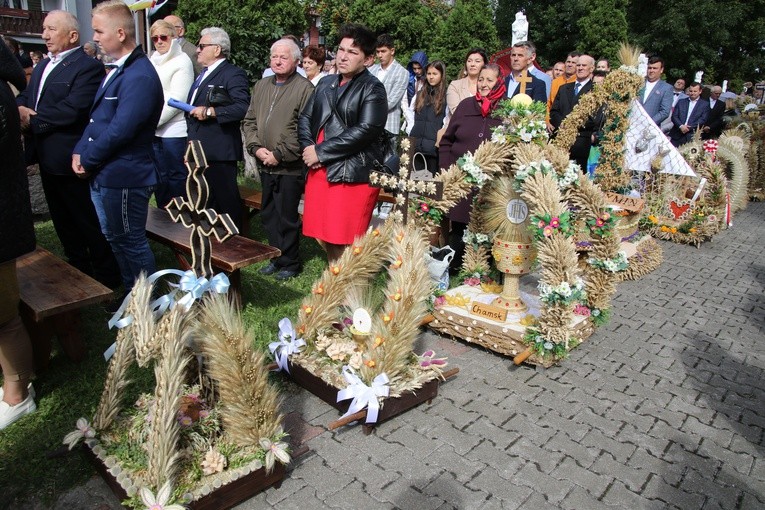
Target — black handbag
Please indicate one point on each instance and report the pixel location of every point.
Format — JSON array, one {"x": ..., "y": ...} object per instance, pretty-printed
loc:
[{"x": 217, "y": 95}]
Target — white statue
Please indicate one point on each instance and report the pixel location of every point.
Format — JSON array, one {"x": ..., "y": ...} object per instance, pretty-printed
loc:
[
  {"x": 520, "y": 28},
  {"x": 699, "y": 76}
]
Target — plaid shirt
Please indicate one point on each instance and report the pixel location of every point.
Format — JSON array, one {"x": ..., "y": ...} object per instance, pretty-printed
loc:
[{"x": 395, "y": 80}]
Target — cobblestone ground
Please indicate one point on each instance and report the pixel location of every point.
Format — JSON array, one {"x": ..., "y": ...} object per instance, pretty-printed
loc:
[{"x": 664, "y": 407}]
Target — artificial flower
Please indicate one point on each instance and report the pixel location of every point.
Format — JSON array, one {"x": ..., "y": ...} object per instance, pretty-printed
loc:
[
  {"x": 161, "y": 500},
  {"x": 274, "y": 451},
  {"x": 548, "y": 230},
  {"x": 555, "y": 222},
  {"x": 83, "y": 431}
]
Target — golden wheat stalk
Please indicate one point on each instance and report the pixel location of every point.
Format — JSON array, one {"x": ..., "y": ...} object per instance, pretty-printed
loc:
[
  {"x": 163, "y": 453},
  {"x": 146, "y": 345},
  {"x": 406, "y": 296},
  {"x": 249, "y": 403},
  {"x": 359, "y": 262}
]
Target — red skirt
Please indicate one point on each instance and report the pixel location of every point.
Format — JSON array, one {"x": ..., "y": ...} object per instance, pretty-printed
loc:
[{"x": 336, "y": 212}]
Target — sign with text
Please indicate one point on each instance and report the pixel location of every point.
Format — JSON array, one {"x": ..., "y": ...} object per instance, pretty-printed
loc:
[
  {"x": 627, "y": 203},
  {"x": 490, "y": 312}
]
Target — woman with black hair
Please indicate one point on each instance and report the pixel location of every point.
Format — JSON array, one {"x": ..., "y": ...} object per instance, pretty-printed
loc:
[{"x": 429, "y": 113}]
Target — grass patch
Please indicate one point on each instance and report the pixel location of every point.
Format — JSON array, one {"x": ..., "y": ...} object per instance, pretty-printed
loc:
[{"x": 67, "y": 390}]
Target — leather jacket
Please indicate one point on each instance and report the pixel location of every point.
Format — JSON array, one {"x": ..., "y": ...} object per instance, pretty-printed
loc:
[{"x": 353, "y": 118}]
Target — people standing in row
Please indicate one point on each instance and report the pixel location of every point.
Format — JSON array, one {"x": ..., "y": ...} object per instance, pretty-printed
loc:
[
  {"x": 313, "y": 63},
  {"x": 656, "y": 94},
  {"x": 18, "y": 238},
  {"x": 394, "y": 78},
  {"x": 565, "y": 101},
  {"x": 470, "y": 125},
  {"x": 339, "y": 131},
  {"x": 430, "y": 111},
  {"x": 271, "y": 136},
  {"x": 220, "y": 96},
  {"x": 467, "y": 86},
  {"x": 54, "y": 112},
  {"x": 689, "y": 115},
  {"x": 115, "y": 152},
  {"x": 176, "y": 74}
]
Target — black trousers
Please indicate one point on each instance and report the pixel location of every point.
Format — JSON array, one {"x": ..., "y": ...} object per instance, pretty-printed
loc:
[
  {"x": 279, "y": 214},
  {"x": 74, "y": 218},
  {"x": 224, "y": 191}
]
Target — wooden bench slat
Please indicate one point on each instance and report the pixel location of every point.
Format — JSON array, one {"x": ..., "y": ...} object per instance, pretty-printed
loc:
[
  {"x": 235, "y": 253},
  {"x": 49, "y": 286}
]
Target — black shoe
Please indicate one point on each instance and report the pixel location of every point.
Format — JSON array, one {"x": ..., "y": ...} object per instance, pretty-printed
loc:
[
  {"x": 269, "y": 269},
  {"x": 286, "y": 274}
]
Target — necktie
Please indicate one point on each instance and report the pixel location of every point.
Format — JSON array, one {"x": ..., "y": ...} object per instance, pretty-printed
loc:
[
  {"x": 197, "y": 82},
  {"x": 577, "y": 86}
]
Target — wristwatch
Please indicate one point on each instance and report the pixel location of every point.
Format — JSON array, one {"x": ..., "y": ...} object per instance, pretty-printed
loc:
[{"x": 208, "y": 112}]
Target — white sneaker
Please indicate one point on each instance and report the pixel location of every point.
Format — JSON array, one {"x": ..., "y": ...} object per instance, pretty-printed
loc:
[
  {"x": 385, "y": 209},
  {"x": 9, "y": 414},
  {"x": 30, "y": 389}
]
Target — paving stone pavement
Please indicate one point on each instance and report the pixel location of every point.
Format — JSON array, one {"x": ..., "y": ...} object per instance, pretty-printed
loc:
[{"x": 663, "y": 407}]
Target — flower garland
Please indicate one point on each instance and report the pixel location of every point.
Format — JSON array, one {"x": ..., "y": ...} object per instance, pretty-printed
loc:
[
  {"x": 474, "y": 174},
  {"x": 564, "y": 293},
  {"x": 544, "y": 225},
  {"x": 612, "y": 265},
  {"x": 521, "y": 123},
  {"x": 570, "y": 174}
]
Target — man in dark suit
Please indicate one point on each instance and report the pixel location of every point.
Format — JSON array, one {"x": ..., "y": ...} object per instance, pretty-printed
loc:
[
  {"x": 520, "y": 80},
  {"x": 656, "y": 94},
  {"x": 221, "y": 97},
  {"x": 54, "y": 110},
  {"x": 689, "y": 115},
  {"x": 714, "y": 124},
  {"x": 565, "y": 101},
  {"x": 115, "y": 150}
]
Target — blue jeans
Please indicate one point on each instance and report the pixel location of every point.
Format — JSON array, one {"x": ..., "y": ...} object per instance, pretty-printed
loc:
[
  {"x": 122, "y": 214},
  {"x": 172, "y": 171}
]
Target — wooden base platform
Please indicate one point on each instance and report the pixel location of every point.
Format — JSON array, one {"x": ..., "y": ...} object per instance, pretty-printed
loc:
[
  {"x": 221, "y": 498},
  {"x": 391, "y": 406}
]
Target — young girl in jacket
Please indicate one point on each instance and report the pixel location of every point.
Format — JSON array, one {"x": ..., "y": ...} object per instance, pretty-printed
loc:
[{"x": 430, "y": 112}]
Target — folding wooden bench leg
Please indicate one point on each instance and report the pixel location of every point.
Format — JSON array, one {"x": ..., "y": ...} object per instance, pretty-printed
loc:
[
  {"x": 68, "y": 327},
  {"x": 40, "y": 333}
]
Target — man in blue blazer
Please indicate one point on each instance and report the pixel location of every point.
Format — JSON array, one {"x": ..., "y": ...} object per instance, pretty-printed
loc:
[
  {"x": 689, "y": 115},
  {"x": 521, "y": 55},
  {"x": 656, "y": 95},
  {"x": 221, "y": 96},
  {"x": 115, "y": 150},
  {"x": 54, "y": 110}
]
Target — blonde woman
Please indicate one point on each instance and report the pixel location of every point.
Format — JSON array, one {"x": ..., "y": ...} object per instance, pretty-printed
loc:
[{"x": 176, "y": 73}]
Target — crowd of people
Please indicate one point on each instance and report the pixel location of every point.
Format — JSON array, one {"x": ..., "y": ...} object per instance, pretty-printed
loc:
[{"x": 97, "y": 119}]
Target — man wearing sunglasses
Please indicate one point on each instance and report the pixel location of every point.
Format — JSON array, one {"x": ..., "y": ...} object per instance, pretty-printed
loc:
[{"x": 221, "y": 97}]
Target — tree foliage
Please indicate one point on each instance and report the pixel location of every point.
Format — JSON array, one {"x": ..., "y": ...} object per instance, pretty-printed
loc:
[
  {"x": 603, "y": 28},
  {"x": 252, "y": 26},
  {"x": 468, "y": 25}
]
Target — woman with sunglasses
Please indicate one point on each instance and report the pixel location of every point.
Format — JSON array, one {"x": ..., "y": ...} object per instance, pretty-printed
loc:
[{"x": 176, "y": 73}]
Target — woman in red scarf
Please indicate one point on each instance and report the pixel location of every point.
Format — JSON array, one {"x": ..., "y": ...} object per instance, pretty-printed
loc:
[{"x": 470, "y": 125}]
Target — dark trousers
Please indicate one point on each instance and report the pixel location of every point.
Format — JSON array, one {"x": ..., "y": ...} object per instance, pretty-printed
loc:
[
  {"x": 78, "y": 229},
  {"x": 173, "y": 173},
  {"x": 580, "y": 151},
  {"x": 224, "y": 191},
  {"x": 279, "y": 214}
]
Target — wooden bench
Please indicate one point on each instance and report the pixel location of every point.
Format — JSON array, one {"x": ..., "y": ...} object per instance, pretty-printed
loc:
[
  {"x": 252, "y": 201},
  {"x": 52, "y": 294},
  {"x": 230, "y": 256}
]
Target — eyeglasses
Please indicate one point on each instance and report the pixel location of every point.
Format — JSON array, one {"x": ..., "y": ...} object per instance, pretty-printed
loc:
[
  {"x": 156, "y": 38},
  {"x": 203, "y": 46}
]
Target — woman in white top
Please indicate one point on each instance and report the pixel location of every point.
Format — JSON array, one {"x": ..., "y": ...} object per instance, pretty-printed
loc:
[
  {"x": 468, "y": 86},
  {"x": 313, "y": 63},
  {"x": 176, "y": 73}
]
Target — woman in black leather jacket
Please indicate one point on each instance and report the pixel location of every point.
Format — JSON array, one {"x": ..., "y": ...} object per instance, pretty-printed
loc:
[{"x": 339, "y": 130}]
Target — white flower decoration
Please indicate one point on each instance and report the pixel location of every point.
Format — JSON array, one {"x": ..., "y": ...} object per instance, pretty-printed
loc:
[
  {"x": 84, "y": 431},
  {"x": 160, "y": 501},
  {"x": 274, "y": 451}
]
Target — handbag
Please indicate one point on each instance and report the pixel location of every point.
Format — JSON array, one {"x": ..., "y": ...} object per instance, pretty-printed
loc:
[{"x": 217, "y": 95}]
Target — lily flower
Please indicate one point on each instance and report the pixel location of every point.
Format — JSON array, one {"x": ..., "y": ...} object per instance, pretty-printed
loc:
[
  {"x": 160, "y": 501},
  {"x": 84, "y": 431},
  {"x": 274, "y": 451}
]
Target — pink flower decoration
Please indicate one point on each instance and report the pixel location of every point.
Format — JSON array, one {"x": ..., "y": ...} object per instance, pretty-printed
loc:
[
  {"x": 555, "y": 222},
  {"x": 472, "y": 281},
  {"x": 606, "y": 216},
  {"x": 548, "y": 230},
  {"x": 599, "y": 222},
  {"x": 541, "y": 224},
  {"x": 424, "y": 207},
  {"x": 439, "y": 301}
]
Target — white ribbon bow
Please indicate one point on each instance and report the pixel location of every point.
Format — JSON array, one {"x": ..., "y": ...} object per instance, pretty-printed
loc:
[
  {"x": 189, "y": 283},
  {"x": 363, "y": 395},
  {"x": 286, "y": 345}
]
